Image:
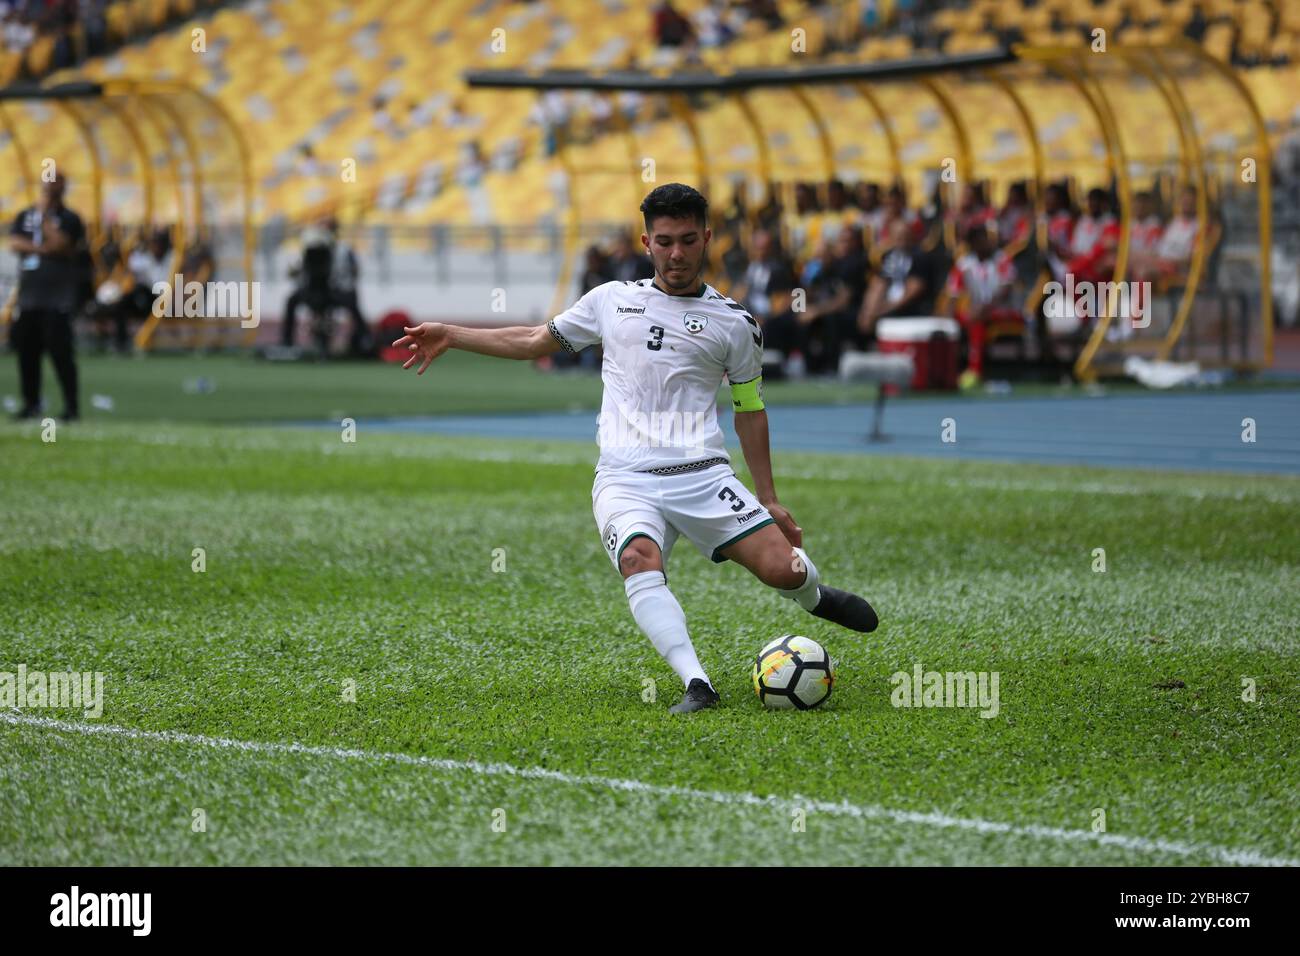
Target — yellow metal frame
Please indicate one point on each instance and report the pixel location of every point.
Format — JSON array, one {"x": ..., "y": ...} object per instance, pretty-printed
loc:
[
  {"x": 1263, "y": 182},
  {"x": 1079, "y": 68},
  {"x": 158, "y": 95},
  {"x": 1193, "y": 164},
  {"x": 137, "y": 106},
  {"x": 24, "y": 163},
  {"x": 1071, "y": 62}
]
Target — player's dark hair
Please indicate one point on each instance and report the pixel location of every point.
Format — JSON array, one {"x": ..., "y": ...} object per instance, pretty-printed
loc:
[{"x": 676, "y": 201}]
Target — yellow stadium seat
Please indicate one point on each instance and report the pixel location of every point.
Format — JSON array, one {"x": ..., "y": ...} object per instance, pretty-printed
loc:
[
  {"x": 39, "y": 55},
  {"x": 11, "y": 65},
  {"x": 1218, "y": 41}
]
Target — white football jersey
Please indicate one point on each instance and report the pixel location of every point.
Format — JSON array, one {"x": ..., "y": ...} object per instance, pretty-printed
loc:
[{"x": 665, "y": 358}]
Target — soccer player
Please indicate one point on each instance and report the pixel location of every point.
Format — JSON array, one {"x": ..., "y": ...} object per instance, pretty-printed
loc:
[{"x": 663, "y": 469}]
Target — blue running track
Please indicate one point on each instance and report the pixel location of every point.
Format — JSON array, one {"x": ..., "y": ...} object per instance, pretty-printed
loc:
[{"x": 1183, "y": 432}]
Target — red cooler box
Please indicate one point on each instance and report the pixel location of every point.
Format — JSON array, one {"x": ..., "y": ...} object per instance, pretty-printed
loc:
[{"x": 930, "y": 341}]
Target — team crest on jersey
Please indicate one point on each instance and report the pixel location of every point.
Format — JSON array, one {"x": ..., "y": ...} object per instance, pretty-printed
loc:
[
  {"x": 611, "y": 536},
  {"x": 695, "y": 322}
]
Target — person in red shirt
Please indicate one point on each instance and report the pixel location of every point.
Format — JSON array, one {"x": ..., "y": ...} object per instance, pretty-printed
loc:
[
  {"x": 670, "y": 27},
  {"x": 1016, "y": 218},
  {"x": 1094, "y": 241},
  {"x": 972, "y": 210},
  {"x": 979, "y": 287},
  {"x": 1058, "y": 217}
]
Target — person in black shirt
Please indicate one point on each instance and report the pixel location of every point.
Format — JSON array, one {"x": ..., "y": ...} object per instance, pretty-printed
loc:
[
  {"x": 844, "y": 283},
  {"x": 49, "y": 239},
  {"x": 907, "y": 282},
  {"x": 769, "y": 269},
  {"x": 820, "y": 330}
]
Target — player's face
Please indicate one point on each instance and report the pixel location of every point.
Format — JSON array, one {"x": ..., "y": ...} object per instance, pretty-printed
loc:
[{"x": 677, "y": 248}]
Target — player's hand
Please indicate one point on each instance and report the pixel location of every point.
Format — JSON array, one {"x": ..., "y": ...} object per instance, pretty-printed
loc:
[
  {"x": 785, "y": 521},
  {"x": 426, "y": 342}
]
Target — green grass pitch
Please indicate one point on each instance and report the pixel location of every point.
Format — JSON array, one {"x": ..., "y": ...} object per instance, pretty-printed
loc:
[{"x": 500, "y": 713}]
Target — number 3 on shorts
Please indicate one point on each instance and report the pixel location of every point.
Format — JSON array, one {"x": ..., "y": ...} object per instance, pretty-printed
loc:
[{"x": 726, "y": 494}]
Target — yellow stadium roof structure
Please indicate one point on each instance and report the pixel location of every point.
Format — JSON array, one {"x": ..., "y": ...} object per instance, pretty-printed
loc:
[{"x": 1146, "y": 114}]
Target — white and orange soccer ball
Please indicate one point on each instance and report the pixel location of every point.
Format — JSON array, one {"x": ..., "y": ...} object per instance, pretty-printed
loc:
[{"x": 793, "y": 671}]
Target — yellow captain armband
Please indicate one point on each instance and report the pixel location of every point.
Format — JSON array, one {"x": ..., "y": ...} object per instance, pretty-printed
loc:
[{"x": 747, "y": 396}]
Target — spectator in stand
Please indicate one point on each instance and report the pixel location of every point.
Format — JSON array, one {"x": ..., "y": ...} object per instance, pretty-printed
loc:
[
  {"x": 94, "y": 22},
  {"x": 972, "y": 209},
  {"x": 867, "y": 196},
  {"x": 150, "y": 262},
  {"x": 596, "y": 271},
  {"x": 769, "y": 214},
  {"x": 735, "y": 221},
  {"x": 814, "y": 265},
  {"x": 1016, "y": 218},
  {"x": 803, "y": 223},
  {"x": 1144, "y": 235},
  {"x": 766, "y": 11},
  {"x": 625, "y": 265},
  {"x": 769, "y": 268},
  {"x": 22, "y": 21},
  {"x": 841, "y": 212},
  {"x": 734, "y": 216},
  {"x": 1058, "y": 220},
  {"x": 980, "y": 285},
  {"x": 838, "y": 291},
  {"x": 1196, "y": 24},
  {"x": 19, "y": 32},
  {"x": 905, "y": 284},
  {"x": 1094, "y": 240},
  {"x": 712, "y": 27},
  {"x": 783, "y": 332},
  {"x": 1173, "y": 254},
  {"x": 671, "y": 28},
  {"x": 896, "y": 212}
]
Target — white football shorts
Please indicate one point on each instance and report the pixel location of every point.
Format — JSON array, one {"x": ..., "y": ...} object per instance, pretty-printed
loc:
[{"x": 711, "y": 507}]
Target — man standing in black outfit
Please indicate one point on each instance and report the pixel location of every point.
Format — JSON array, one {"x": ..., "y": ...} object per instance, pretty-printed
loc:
[{"x": 49, "y": 239}]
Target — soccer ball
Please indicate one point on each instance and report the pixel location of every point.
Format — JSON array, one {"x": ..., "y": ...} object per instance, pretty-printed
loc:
[{"x": 792, "y": 671}]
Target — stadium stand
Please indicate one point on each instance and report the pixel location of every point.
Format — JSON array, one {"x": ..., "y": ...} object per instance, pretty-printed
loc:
[
  {"x": 379, "y": 82},
  {"x": 376, "y": 88}
]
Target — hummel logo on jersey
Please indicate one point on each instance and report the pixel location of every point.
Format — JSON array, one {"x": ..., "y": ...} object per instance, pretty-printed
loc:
[
  {"x": 741, "y": 519},
  {"x": 695, "y": 322},
  {"x": 630, "y": 310}
]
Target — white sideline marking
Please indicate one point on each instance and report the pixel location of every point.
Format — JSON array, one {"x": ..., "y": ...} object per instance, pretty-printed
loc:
[{"x": 941, "y": 820}]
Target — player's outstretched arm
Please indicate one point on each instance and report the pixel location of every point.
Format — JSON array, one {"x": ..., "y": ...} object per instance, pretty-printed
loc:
[
  {"x": 428, "y": 340},
  {"x": 751, "y": 429}
]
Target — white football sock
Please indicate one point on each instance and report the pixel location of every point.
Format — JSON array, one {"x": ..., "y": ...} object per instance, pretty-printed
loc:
[
  {"x": 662, "y": 619},
  {"x": 806, "y": 594}
]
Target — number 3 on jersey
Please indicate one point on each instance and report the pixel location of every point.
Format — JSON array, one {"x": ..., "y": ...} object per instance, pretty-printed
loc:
[
  {"x": 656, "y": 338},
  {"x": 726, "y": 494}
]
